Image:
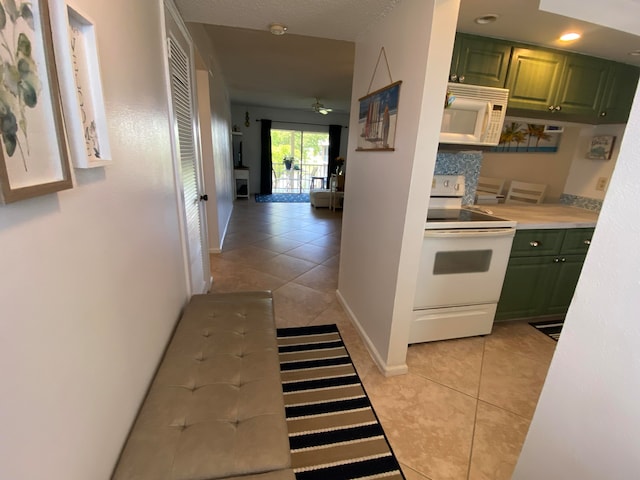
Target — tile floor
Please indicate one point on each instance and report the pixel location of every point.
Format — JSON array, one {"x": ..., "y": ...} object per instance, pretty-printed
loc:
[{"x": 462, "y": 411}]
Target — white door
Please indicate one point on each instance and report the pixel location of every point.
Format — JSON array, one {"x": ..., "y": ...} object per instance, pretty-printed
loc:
[{"x": 186, "y": 154}]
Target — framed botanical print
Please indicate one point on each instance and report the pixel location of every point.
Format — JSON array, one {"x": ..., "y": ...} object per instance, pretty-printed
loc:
[{"x": 33, "y": 148}]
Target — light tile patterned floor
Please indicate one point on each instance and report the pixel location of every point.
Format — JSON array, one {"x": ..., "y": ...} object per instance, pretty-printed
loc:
[{"x": 462, "y": 411}]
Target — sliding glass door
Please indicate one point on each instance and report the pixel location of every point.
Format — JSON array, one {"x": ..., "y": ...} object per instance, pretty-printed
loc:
[{"x": 299, "y": 160}]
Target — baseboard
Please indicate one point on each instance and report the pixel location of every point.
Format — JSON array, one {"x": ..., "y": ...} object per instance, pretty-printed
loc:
[
  {"x": 215, "y": 250},
  {"x": 386, "y": 370}
]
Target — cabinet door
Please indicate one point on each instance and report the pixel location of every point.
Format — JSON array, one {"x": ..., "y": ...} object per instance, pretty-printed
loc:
[
  {"x": 533, "y": 78},
  {"x": 576, "y": 241},
  {"x": 621, "y": 88},
  {"x": 560, "y": 293},
  {"x": 537, "y": 242},
  {"x": 525, "y": 287},
  {"x": 582, "y": 87},
  {"x": 482, "y": 61}
]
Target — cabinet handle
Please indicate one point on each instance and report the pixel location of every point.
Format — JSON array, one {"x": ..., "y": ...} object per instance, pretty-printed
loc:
[
  {"x": 563, "y": 260},
  {"x": 551, "y": 108},
  {"x": 556, "y": 260},
  {"x": 587, "y": 242},
  {"x": 603, "y": 114},
  {"x": 558, "y": 108},
  {"x": 453, "y": 77},
  {"x": 461, "y": 79},
  {"x": 535, "y": 243}
]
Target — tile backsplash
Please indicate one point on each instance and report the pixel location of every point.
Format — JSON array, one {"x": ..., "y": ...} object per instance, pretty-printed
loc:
[
  {"x": 581, "y": 202},
  {"x": 461, "y": 163}
]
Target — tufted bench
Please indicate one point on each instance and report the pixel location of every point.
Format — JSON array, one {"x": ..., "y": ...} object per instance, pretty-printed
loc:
[{"x": 215, "y": 408}]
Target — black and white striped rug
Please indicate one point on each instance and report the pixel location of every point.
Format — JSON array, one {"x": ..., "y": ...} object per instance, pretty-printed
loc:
[
  {"x": 333, "y": 431},
  {"x": 551, "y": 328}
]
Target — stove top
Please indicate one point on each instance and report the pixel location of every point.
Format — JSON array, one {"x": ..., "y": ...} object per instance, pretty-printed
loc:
[{"x": 453, "y": 218}]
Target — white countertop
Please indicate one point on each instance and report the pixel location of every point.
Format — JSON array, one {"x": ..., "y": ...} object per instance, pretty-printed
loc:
[{"x": 545, "y": 215}]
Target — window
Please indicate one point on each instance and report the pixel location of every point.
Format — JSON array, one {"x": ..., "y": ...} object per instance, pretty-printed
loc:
[{"x": 297, "y": 157}]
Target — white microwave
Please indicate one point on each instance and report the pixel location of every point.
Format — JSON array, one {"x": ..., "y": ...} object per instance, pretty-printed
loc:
[{"x": 473, "y": 115}]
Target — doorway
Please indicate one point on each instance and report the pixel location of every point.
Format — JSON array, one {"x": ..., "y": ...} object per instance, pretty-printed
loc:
[{"x": 298, "y": 158}]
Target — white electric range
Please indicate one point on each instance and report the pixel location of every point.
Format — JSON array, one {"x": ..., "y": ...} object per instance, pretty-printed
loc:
[{"x": 462, "y": 265}]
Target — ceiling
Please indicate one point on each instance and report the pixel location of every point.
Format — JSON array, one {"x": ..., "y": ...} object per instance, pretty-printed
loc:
[{"x": 314, "y": 59}]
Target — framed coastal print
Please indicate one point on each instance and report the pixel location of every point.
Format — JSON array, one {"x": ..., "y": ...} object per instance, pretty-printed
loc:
[
  {"x": 33, "y": 150},
  {"x": 377, "y": 118},
  {"x": 80, "y": 85},
  {"x": 601, "y": 147}
]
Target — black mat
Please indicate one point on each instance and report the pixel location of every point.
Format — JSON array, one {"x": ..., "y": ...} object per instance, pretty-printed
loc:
[{"x": 551, "y": 328}]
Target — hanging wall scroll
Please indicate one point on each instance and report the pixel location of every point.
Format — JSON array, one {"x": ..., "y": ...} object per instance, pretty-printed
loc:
[{"x": 378, "y": 114}]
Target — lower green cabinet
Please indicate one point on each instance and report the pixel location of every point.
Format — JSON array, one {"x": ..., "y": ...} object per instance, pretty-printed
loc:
[{"x": 542, "y": 273}]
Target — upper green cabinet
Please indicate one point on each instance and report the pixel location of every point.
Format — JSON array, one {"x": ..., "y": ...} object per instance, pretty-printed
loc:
[
  {"x": 621, "y": 88},
  {"x": 534, "y": 77},
  {"x": 480, "y": 61},
  {"x": 566, "y": 86},
  {"x": 546, "y": 83}
]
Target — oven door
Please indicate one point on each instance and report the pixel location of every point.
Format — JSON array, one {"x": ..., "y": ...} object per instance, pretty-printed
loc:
[{"x": 462, "y": 267}]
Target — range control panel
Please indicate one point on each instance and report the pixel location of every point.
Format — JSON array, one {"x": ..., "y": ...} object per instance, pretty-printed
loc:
[{"x": 447, "y": 186}]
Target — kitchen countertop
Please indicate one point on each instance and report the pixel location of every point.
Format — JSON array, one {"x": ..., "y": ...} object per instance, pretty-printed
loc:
[{"x": 545, "y": 215}]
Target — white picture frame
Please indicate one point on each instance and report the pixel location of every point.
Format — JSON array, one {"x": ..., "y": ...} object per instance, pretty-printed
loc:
[{"x": 75, "y": 46}]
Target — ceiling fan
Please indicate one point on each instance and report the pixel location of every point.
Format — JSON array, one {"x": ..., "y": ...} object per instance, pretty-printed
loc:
[{"x": 320, "y": 108}]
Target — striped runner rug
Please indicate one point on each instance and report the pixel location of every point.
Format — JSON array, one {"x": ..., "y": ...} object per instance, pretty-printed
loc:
[
  {"x": 333, "y": 431},
  {"x": 551, "y": 328}
]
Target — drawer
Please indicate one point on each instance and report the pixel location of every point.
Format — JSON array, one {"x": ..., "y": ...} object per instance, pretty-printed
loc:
[
  {"x": 576, "y": 240},
  {"x": 537, "y": 242}
]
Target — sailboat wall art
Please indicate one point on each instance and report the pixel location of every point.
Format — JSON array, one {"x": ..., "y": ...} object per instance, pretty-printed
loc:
[{"x": 377, "y": 119}]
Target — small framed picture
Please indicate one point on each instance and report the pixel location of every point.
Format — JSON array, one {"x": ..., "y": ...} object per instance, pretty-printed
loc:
[{"x": 601, "y": 147}]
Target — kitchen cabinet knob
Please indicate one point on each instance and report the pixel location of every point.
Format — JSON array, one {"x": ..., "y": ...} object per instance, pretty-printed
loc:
[
  {"x": 603, "y": 114},
  {"x": 556, "y": 260},
  {"x": 551, "y": 108},
  {"x": 453, "y": 77},
  {"x": 558, "y": 108},
  {"x": 535, "y": 243},
  {"x": 461, "y": 79},
  {"x": 563, "y": 260},
  {"x": 587, "y": 242}
]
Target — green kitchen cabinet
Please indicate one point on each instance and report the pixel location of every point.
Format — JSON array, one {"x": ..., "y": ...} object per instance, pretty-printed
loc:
[
  {"x": 562, "y": 86},
  {"x": 543, "y": 271},
  {"x": 533, "y": 79},
  {"x": 621, "y": 88},
  {"x": 480, "y": 61}
]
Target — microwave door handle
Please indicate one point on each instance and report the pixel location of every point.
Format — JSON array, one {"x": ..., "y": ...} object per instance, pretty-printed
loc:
[{"x": 485, "y": 122}]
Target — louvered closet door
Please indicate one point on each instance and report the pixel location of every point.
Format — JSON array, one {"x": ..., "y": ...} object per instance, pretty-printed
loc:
[{"x": 184, "y": 123}]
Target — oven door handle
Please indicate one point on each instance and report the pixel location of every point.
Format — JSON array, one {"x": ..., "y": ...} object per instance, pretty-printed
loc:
[{"x": 470, "y": 232}]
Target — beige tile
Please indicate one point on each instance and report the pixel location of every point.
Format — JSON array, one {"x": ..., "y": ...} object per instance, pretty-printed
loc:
[
  {"x": 333, "y": 262},
  {"x": 301, "y": 235},
  {"x": 411, "y": 474},
  {"x": 453, "y": 363},
  {"x": 313, "y": 253},
  {"x": 229, "y": 276},
  {"x": 319, "y": 278},
  {"x": 285, "y": 267},
  {"x": 298, "y": 305},
  {"x": 521, "y": 338},
  {"x": 429, "y": 426},
  {"x": 249, "y": 256},
  {"x": 279, "y": 244},
  {"x": 497, "y": 442},
  {"x": 511, "y": 381}
]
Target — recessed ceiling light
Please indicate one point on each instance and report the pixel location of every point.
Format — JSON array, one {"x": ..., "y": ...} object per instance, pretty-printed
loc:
[
  {"x": 488, "y": 18},
  {"x": 277, "y": 28},
  {"x": 568, "y": 37}
]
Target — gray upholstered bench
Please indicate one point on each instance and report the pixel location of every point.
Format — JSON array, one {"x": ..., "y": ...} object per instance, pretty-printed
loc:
[{"x": 215, "y": 408}]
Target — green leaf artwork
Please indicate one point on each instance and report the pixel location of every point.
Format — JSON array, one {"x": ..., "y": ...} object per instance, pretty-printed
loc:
[{"x": 19, "y": 81}]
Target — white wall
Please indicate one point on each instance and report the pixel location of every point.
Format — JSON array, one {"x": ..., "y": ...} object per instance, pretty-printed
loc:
[
  {"x": 295, "y": 119},
  {"x": 93, "y": 278},
  {"x": 585, "y": 172},
  {"x": 587, "y": 421},
  {"x": 386, "y": 193},
  {"x": 215, "y": 131}
]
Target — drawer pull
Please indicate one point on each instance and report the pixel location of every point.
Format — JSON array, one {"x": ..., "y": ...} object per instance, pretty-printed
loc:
[
  {"x": 587, "y": 242},
  {"x": 556, "y": 260},
  {"x": 535, "y": 243}
]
